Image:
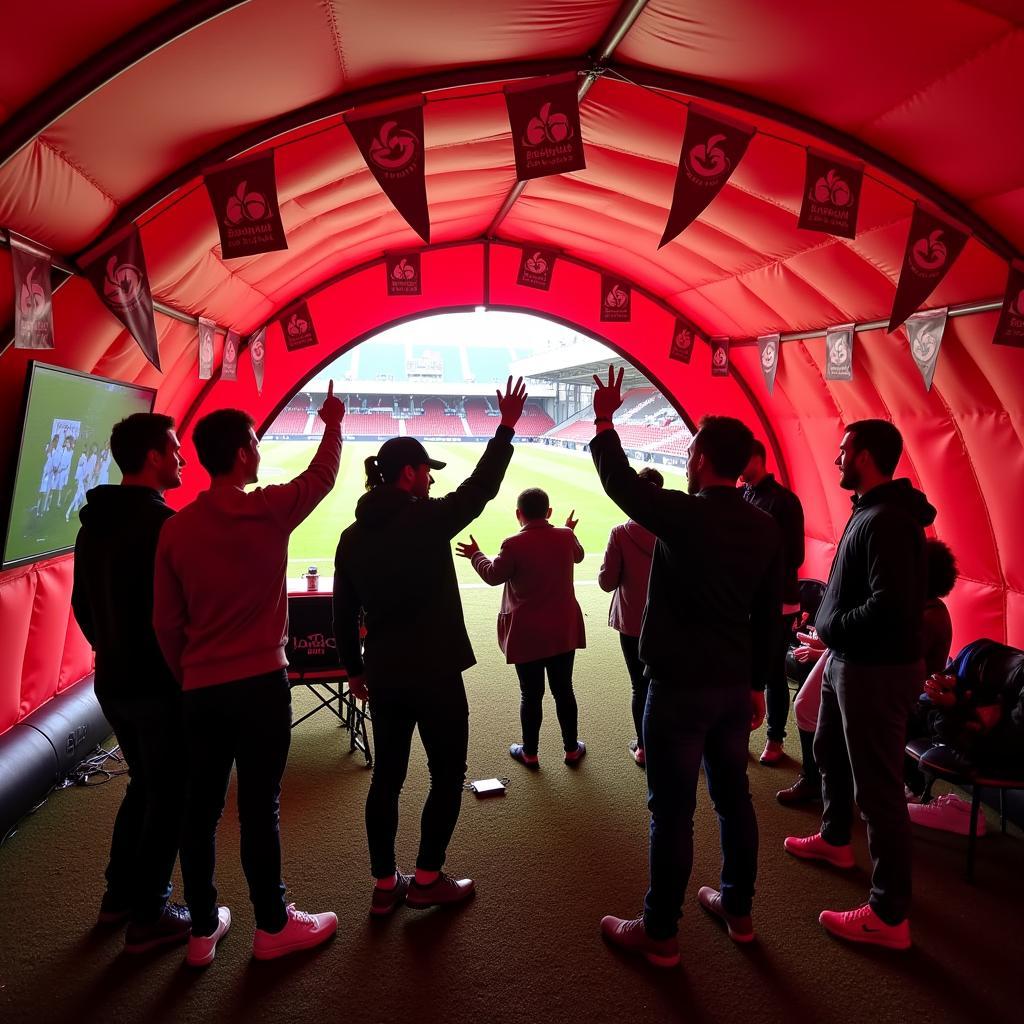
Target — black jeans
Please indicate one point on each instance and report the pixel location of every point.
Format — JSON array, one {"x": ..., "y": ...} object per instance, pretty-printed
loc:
[
  {"x": 147, "y": 828},
  {"x": 858, "y": 747},
  {"x": 531, "y": 702},
  {"x": 246, "y": 723},
  {"x": 684, "y": 726},
  {"x": 441, "y": 711},
  {"x": 776, "y": 690},
  {"x": 635, "y": 667}
]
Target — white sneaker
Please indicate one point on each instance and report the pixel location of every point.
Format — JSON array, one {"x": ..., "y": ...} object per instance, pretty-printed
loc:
[
  {"x": 949, "y": 812},
  {"x": 301, "y": 931},
  {"x": 203, "y": 948}
]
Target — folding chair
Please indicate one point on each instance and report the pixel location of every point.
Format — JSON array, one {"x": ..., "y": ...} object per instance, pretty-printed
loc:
[{"x": 313, "y": 662}]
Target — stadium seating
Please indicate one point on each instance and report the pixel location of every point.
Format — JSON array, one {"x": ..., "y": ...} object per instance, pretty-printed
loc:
[
  {"x": 291, "y": 420},
  {"x": 533, "y": 422},
  {"x": 435, "y": 421}
]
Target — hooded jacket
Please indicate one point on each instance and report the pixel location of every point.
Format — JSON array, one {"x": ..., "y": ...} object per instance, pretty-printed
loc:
[
  {"x": 625, "y": 573},
  {"x": 394, "y": 565},
  {"x": 873, "y": 605},
  {"x": 112, "y": 595}
]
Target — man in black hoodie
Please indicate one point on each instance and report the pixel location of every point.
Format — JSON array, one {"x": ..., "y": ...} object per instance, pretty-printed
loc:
[
  {"x": 394, "y": 566},
  {"x": 113, "y": 602},
  {"x": 870, "y": 618}
]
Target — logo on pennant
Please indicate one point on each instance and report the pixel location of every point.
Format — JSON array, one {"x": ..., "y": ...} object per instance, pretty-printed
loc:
[
  {"x": 839, "y": 353},
  {"x": 831, "y": 196},
  {"x": 205, "y": 348},
  {"x": 244, "y": 198},
  {"x": 932, "y": 247},
  {"x": 682, "y": 342},
  {"x": 616, "y": 300},
  {"x": 711, "y": 150},
  {"x": 390, "y": 139},
  {"x": 117, "y": 273},
  {"x": 297, "y": 327},
  {"x": 719, "y": 357},
  {"x": 258, "y": 356},
  {"x": 33, "y": 314},
  {"x": 544, "y": 116},
  {"x": 768, "y": 350},
  {"x": 1010, "y": 328},
  {"x": 535, "y": 268},
  {"x": 403, "y": 273},
  {"x": 229, "y": 369},
  {"x": 924, "y": 331}
]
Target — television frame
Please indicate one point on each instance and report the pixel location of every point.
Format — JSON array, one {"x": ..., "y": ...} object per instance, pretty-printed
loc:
[{"x": 12, "y": 477}]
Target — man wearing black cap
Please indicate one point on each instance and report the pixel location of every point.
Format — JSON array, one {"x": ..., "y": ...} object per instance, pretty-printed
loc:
[{"x": 394, "y": 566}]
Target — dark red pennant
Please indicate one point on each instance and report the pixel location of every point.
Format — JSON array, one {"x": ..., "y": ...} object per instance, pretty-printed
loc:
[
  {"x": 932, "y": 247},
  {"x": 719, "y": 357},
  {"x": 712, "y": 148},
  {"x": 535, "y": 268},
  {"x": 229, "y": 369},
  {"x": 258, "y": 355},
  {"x": 117, "y": 271},
  {"x": 390, "y": 138},
  {"x": 244, "y": 198},
  {"x": 544, "y": 115},
  {"x": 205, "y": 348},
  {"x": 297, "y": 327},
  {"x": 1010, "y": 329},
  {"x": 33, "y": 303},
  {"x": 831, "y": 195},
  {"x": 616, "y": 300},
  {"x": 403, "y": 273},
  {"x": 683, "y": 337}
]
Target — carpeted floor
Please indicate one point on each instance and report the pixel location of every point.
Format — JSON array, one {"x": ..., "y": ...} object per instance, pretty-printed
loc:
[{"x": 561, "y": 849}]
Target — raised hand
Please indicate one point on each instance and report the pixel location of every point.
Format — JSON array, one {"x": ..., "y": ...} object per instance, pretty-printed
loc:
[
  {"x": 467, "y": 550},
  {"x": 511, "y": 403},
  {"x": 607, "y": 397},
  {"x": 332, "y": 412},
  {"x": 570, "y": 522}
]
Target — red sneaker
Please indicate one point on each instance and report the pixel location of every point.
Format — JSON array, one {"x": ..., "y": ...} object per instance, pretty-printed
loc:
[
  {"x": 632, "y": 936},
  {"x": 741, "y": 929},
  {"x": 386, "y": 901},
  {"x": 577, "y": 755},
  {"x": 517, "y": 753},
  {"x": 864, "y": 925},
  {"x": 815, "y": 848},
  {"x": 772, "y": 753}
]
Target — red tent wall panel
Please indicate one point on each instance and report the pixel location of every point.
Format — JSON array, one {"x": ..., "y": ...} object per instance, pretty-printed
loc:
[
  {"x": 78, "y": 660},
  {"x": 44, "y": 648},
  {"x": 17, "y": 600}
]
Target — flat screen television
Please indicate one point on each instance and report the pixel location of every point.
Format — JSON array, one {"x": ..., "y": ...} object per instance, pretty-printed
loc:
[{"x": 64, "y": 452}]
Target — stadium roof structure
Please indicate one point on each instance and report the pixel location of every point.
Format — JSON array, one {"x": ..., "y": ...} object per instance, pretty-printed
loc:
[
  {"x": 114, "y": 110},
  {"x": 578, "y": 364}
]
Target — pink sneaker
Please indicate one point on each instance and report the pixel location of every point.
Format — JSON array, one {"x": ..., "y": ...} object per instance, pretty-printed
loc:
[
  {"x": 740, "y": 929},
  {"x": 301, "y": 931},
  {"x": 203, "y": 948},
  {"x": 772, "y": 753},
  {"x": 864, "y": 925},
  {"x": 632, "y": 936},
  {"x": 948, "y": 812},
  {"x": 815, "y": 848}
]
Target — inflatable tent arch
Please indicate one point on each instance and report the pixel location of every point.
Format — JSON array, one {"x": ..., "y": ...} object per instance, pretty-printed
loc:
[{"x": 117, "y": 121}]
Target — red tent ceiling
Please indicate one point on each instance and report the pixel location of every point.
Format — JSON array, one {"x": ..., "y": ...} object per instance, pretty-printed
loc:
[{"x": 113, "y": 112}]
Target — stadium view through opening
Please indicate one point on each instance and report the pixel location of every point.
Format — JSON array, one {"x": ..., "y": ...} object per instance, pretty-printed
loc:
[{"x": 435, "y": 379}]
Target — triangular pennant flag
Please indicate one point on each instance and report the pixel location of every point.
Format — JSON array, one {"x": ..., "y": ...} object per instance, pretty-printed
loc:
[
  {"x": 117, "y": 272},
  {"x": 933, "y": 245},
  {"x": 297, "y": 327},
  {"x": 258, "y": 355},
  {"x": 544, "y": 115},
  {"x": 768, "y": 349},
  {"x": 403, "y": 273},
  {"x": 229, "y": 368},
  {"x": 33, "y": 302},
  {"x": 831, "y": 195},
  {"x": 924, "y": 332},
  {"x": 244, "y": 198},
  {"x": 719, "y": 357},
  {"x": 839, "y": 352},
  {"x": 206, "y": 328},
  {"x": 712, "y": 147},
  {"x": 390, "y": 138},
  {"x": 683, "y": 338},
  {"x": 1010, "y": 329},
  {"x": 535, "y": 268},
  {"x": 616, "y": 300}
]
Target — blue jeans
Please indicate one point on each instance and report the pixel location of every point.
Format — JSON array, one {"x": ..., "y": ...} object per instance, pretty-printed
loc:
[{"x": 684, "y": 726}]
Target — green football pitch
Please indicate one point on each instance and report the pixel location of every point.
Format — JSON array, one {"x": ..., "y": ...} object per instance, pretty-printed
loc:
[{"x": 568, "y": 477}]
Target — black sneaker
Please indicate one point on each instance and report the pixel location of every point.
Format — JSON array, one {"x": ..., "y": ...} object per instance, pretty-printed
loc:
[
  {"x": 386, "y": 901},
  {"x": 442, "y": 891},
  {"x": 112, "y": 912},
  {"x": 172, "y": 928}
]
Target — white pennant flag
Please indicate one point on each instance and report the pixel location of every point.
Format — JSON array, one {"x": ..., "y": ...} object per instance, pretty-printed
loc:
[
  {"x": 839, "y": 352},
  {"x": 768, "y": 349},
  {"x": 924, "y": 332}
]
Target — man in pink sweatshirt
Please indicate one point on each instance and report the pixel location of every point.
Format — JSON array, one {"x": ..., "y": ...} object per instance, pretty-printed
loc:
[{"x": 220, "y": 612}]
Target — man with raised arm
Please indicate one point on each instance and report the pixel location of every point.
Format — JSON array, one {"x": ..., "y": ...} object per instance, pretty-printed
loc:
[
  {"x": 713, "y": 606},
  {"x": 221, "y": 616},
  {"x": 394, "y": 568}
]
